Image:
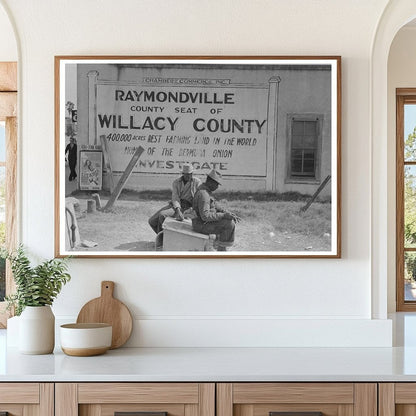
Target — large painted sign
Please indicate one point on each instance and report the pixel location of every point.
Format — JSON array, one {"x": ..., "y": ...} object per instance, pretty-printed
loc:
[{"x": 223, "y": 128}]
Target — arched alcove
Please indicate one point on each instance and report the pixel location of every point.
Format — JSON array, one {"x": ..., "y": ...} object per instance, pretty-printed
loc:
[
  {"x": 396, "y": 15},
  {"x": 401, "y": 75}
]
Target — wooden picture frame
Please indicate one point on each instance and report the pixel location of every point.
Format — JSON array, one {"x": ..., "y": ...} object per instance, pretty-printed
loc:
[{"x": 266, "y": 128}]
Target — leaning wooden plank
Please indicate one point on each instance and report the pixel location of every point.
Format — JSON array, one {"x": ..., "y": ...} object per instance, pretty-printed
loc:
[
  {"x": 322, "y": 186},
  {"x": 124, "y": 178}
]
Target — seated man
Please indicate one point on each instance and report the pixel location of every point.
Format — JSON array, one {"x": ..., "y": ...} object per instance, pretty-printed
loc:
[
  {"x": 183, "y": 191},
  {"x": 211, "y": 218}
]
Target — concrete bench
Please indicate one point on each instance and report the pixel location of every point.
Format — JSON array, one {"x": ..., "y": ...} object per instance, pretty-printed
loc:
[{"x": 179, "y": 236}]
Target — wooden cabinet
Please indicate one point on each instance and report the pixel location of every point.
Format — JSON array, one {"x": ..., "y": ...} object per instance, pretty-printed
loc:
[
  {"x": 208, "y": 399},
  {"x": 106, "y": 399},
  {"x": 264, "y": 399},
  {"x": 27, "y": 399},
  {"x": 397, "y": 399},
  {"x": 222, "y": 399}
]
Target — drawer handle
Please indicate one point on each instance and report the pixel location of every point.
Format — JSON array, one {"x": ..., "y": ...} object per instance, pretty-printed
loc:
[
  {"x": 295, "y": 414},
  {"x": 139, "y": 414}
]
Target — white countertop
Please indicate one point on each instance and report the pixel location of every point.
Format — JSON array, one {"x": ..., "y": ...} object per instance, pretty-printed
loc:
[
  {"x": 215, "y": 364},
  {"x": 222, "y": 364}
]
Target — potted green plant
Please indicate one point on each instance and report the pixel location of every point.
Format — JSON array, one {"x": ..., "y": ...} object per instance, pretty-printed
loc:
[{"x": 36, "y": 289}]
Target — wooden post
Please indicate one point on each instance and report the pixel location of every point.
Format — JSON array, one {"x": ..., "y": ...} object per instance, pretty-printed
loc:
[
  {"x": 96, "y": 198},
  {"x": 91, "y": 206},
  {"x": 124, "y": 178}
]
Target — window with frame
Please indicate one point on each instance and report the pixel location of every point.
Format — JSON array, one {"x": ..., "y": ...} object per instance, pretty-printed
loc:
[
  {"x": 406, "y": 199},
  {"x": 304, "y": 148},
  {"x": 2, "y": 206},
  {"x": 8, "y": 174}
]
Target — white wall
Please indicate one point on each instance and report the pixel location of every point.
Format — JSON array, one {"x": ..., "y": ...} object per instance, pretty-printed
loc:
[
  {"x": 401, "y": 74},
  {"x": 8, "y": 46},
  {"x": 211, "y": 302}
]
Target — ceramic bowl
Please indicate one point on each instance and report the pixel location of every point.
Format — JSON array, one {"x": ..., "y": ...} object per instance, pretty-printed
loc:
[{"x": 83, "y": 340}]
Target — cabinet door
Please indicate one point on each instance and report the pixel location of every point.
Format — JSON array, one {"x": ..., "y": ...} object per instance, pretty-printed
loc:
[
  {"x": 397, "y": 399},
  {"x": 297, "y": 399},
  {"x": 142, "y": 399},
  {"x": 26, "y": 399}
]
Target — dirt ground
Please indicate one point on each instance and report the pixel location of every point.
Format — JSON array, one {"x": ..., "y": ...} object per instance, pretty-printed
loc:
[{"x": 125, "y": 228}]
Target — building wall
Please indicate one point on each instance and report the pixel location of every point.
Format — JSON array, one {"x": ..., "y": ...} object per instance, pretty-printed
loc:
[
  {"x": 269, "y": 302},
  {"x": 302, "y": 91}
]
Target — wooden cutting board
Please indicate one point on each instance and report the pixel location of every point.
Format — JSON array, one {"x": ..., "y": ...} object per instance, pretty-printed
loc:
[{"x": 108, "y": 310}]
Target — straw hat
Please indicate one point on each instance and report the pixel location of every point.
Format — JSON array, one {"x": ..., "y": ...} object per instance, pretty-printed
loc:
[
  {"x": 215, "y": 176},
  {"x": 187, "y": 168}
]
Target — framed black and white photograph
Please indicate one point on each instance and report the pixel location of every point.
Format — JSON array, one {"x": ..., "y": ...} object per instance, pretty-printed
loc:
[{"x": 198, "y": 156}]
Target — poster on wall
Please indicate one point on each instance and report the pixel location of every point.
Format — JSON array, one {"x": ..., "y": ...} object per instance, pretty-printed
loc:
[
  {"x": 198, "y": 156},
  {"x": 90, "y": 167}
]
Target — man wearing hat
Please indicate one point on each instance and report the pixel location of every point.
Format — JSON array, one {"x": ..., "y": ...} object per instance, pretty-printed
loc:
[
  {"x": 183, "y": 191},
  {"x": 210, "y": 217}
]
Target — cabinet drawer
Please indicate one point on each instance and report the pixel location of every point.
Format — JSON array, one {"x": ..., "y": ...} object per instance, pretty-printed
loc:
[
  {"x": 296, "y": 399},
  {"x": 146, "y": 399},
  {"x": 21, "y": 399},
  {"x": 138, "y": 393},
  {"x": 19, "y": 393}
]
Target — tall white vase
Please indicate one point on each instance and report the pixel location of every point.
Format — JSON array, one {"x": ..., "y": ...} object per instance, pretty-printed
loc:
[{"x": 37, "y": 330}]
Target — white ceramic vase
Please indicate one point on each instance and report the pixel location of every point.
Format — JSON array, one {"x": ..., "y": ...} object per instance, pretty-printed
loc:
[{"x": 37, "y": 330}]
